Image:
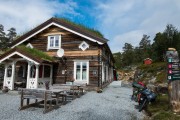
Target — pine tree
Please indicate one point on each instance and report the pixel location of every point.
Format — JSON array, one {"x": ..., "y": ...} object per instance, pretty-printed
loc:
[
  {"x": 3, "y": 39},
  {"x": 11, "y": 35}
]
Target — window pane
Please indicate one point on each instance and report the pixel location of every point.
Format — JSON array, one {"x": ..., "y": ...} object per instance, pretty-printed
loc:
[
  {"x": 33, "y": 71},
  {"x": 47, "y": 71},
  {"x": 84, "y": 45},
  {"x": 78, "y": 69},
  {"x": 40, "y": 71},
  {"x": 51, "y": 41},
  {"x": 9, "y": 71},
  {"x": 84, "y": 71},
  {"x": 84, "y": 65},
  {"x": 20, "y": 71},
  {"x": 57, "y": 43},
  {"x": 78, "y": 65}
]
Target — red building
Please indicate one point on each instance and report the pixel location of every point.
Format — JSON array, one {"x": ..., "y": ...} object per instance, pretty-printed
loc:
[{"x": 147, "y": 61}]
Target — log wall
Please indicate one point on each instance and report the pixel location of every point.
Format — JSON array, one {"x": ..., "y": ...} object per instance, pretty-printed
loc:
[{"x": 70, "y": 43}]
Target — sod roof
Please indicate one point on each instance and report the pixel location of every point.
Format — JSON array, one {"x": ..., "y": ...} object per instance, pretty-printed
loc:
[
  {"x": 31, "y": 53},
  {"x": 86, "y": 31}
]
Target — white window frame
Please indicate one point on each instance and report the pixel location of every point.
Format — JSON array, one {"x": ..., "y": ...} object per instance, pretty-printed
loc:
[
  {"x": 81, "y": 46},
  {"x": 54, "y": 42},
  {"x": 87, "y": 74}
]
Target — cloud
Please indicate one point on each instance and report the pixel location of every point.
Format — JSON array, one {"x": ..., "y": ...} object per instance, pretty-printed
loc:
[
  {"x": 127, "y": 20},
  {"x": 26, "y": 14},
  {"x": 132, "y": 37},
  {"x": 120, "y": 21}
]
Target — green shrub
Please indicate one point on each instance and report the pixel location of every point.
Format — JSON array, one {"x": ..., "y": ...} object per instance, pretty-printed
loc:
[{"x": 161, "y": 77}]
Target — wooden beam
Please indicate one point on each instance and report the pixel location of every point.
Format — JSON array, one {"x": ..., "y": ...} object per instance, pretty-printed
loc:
[{"x": 77, "y": 53}]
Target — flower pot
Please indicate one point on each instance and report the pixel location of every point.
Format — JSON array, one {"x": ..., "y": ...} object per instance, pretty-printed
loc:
[
  {"x": 47, "y": 85},
  {"x": 5, "y": 89}
]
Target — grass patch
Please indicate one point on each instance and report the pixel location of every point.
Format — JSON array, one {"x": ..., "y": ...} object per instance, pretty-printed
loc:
[
  {"x": 36, "y": 53},
  {"x": 81, "y": 26},
  {"x": 161, "y": 77},
  {"x": 159, "y": 110},
  {"x": 91, "y": 30},
  {"x": 166, "y": 116},
  {"x": 153, "y": 67}
]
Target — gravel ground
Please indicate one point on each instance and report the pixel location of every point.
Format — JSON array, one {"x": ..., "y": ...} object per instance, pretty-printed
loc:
[{"x": 113, "y": 104}]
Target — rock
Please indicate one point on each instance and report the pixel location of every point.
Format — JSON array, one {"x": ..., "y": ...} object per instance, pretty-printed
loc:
[
  {"x": 162, "y": 88},
  {"x": 152, "y": 80},
  {"x": 151, "y": 87}
]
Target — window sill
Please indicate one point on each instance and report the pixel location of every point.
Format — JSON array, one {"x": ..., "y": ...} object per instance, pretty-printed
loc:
[{"x": 53, "y": 48}]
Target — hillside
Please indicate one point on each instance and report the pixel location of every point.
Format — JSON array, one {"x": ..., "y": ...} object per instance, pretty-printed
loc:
[{"x": 154, "y": 77}]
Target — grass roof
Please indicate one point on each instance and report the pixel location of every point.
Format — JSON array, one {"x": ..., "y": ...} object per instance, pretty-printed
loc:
[
  {"x": 36, "y": 53},
  {"x": 91, "y": 30}
]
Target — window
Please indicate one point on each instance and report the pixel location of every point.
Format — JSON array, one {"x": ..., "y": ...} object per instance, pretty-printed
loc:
[
  {"x": 29, "y": 45},
  {"x": 20, "y": 71},
  {"x": 9, "y": 71},
  {"x": 33, "y": 71},
  {"x": 44, "y": 71},
  {"x": 83, "y": 46},
  {"x": 47, "y": 71},
  {"x": 81, "y": 69},
  {"x": 54, "y": 42},
  {"x": 40, "y": 71}
]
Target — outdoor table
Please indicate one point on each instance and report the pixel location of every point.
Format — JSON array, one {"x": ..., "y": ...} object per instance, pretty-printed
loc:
[{"x": 41, "y": 95}]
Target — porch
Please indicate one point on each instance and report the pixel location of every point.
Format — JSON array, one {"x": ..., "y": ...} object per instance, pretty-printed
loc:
[{"x": 24, "y": 69}]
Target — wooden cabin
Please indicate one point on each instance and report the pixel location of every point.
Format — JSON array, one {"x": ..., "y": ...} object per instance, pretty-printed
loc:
[
  {"x": 147, "y": 61},
  {"x": 58, "y": 51}
]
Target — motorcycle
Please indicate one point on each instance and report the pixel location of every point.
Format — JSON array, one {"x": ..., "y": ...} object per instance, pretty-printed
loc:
[
  {"x": 146, "y": 97},
  {"x": 137, "y": 88}
]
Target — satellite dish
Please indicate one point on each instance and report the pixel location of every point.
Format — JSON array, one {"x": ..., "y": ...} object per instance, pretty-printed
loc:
[{"x": 60, "y": 52}]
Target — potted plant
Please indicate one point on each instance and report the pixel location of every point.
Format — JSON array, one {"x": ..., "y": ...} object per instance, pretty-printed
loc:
[
  {"x": 5, "y": 89},
  {"x": 99, "y": 90}
]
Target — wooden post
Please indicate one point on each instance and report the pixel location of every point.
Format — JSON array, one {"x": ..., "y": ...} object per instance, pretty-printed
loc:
[
  {"x": 5, "y": 75},
  {"x": 22, "y": 99},
  {"x": 174, "y": 95},
  {"x": 28, "y": 74},
  {"x": 51, "y": 74},
  {"x": 13, "y": 75},
  {"x": 37, "y": 76},
  {"x": 173, "y": 77}
]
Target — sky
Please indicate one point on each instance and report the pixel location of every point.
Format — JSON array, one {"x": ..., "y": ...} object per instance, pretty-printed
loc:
[{"x": 120, "y": 21}]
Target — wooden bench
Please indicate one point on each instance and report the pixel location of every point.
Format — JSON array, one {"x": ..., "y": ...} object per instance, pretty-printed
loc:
[{"x": 40, "y": 96}]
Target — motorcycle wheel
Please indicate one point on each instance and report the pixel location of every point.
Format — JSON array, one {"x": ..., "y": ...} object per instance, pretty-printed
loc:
[{"x": 143, "y": 105}]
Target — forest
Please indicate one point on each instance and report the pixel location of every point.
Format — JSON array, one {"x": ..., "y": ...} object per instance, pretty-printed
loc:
[{"x": 155, "y": 49}]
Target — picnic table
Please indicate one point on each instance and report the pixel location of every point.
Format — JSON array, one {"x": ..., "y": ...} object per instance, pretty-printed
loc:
[
  {"x": 60, "y": 93},
  {"x": 76, "y": 90},
  {"x": 40, "y": 96}
]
